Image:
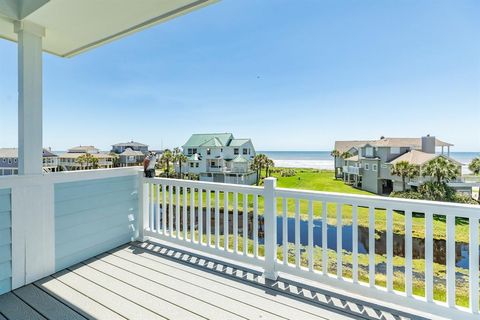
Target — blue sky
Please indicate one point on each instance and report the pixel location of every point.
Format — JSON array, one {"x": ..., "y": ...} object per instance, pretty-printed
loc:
[{"x": 292, "y": 75}]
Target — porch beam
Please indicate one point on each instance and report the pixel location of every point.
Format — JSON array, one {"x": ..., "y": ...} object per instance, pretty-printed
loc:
[{"x": 29, "y": 97}]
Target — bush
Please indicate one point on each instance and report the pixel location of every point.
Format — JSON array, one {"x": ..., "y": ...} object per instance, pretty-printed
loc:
[
  {"x": 288, "y": 173},
  {"x": 407, "y": 195},
  {"x": 435, "y": 191}
]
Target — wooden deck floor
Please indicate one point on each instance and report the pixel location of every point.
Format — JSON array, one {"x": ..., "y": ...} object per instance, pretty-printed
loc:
[{"x": 146, "y": 281}]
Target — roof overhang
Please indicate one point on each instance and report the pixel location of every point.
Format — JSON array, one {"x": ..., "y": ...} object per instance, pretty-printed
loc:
[{"x": 74, "y": 26}]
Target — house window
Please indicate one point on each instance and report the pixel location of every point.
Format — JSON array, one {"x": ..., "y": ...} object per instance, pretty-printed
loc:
[
  {"x": 9, "y": 161},
  {"x": 197, "y": 165},
  {"x": 15, "y": 160},
  {"x": 245, "y": 151},
  {"x": 212, "y": 163},
  {"x": 191, "y": 164},
  {"x": 395, "y": 150},
  {"x": 369, "y": 152},
  {"x": 4, "y": 160},
  {"x": 189, "y": 151},
  {"x": 194, "y": 150},
  {"x": 235, "y": 151},
  {"x": 367, "y": 166},
  {"x": 374, "y": 167},
  {"x": 209, "y": 151}
]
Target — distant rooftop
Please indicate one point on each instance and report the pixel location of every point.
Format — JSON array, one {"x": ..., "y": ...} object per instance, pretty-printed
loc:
[
  {"x": 414, "y": 143},
  {"x": 130, "y": 144},
  {"x": 13, "y": 153},
  {"x": 419, "y": 158},
  {"x": 198, "y": 139}
]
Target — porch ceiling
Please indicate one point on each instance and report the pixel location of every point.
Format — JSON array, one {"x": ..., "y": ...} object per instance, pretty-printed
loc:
[{"x": 73, "y": 26}]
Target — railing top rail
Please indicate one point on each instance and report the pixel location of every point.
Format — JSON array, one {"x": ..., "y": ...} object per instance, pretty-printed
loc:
[
  {"x": 207, "y": 185},
  {"x": 66, "y": 176},
  {"x": 436, "y": 207}
]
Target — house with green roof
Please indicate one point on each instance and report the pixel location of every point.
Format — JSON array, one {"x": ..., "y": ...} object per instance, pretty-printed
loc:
[{"x": 219, "y": 157}]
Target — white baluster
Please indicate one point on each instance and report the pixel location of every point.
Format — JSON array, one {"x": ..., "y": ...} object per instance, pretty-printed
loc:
[
  {"x": 429, "y": 256},
  {"x": 177, "y": 212},
  {"x": 170, "y": 210},
  {"x": 225, "y": 221},
  {"x": 157, "y": 208},
  {"x": 310, "y": 235},
  {"x": 217, "y": 220},
  {"x": 339, "y": 242},
  {"x": 408, "y": 253},
  {"x": 285, "y": 230},
  {"x": 324, "y": 238},
  {"x": 192, "y": 215},
  {"x": 297, "y": 233},
  {"x": 255, "y": 226},
  {"x": 473, "y": 265},
  {"x": 245, "y": 224},
  {"x": 235, "y": 222},
  {"x": 371, "y": 246},
  {"x": 209, "y": 218},
  {"x": 389, "y": 250},
  {"x": 200, "y": 216},
  {"x": 185, "y": 220},
  {"x": 355, "y": 244},
  {"x": 450, "y": 240}
]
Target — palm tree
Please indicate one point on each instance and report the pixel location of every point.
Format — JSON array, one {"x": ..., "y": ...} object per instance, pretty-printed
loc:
[
  {"x": 346, "y": 155},
  {"x": 441, "y": 169},
  {"x": 93, "y": 162},
  {"x": 81, "y": 160},
  {"x": 474, "y": 166},
  {"x": 335, "y": 153},
  {"x": 405, "y": 170},
  {"x": 257, "y": 165},
  {"x": 181, "y": 159},
  {"x": 268, "y": 165},
  {"x": 167, "y": 159}
]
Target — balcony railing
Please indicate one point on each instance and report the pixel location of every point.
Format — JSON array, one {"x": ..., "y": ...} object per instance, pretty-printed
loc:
[
  {"x": 349, "y": 242},
  {"x": 210, "y": 217},
  {"x": 352, "y": 170}
]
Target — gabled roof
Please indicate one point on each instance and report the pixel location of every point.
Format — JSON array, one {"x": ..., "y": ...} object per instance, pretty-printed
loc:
[
  {"x": 214, "y": 142},
  {"x": 239, "y": 159},
  {"x": 354, "y": 158},
  {"x": 238, "y": 142},
  {"x": 414, "y": 143},
  {"x": 129, "y": 152},
  {"x": 196, "y": 140},
  {"x": 130, "y": 144},
  {"x": 13, "y": 153},
  {"x": 343, "y": 146},
  {"x": 83, "y": 149},
  {"x": 419, "y": 158}
]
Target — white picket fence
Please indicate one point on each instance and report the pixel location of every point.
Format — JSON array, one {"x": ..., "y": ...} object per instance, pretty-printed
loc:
[{"x": 171, "y": 212}]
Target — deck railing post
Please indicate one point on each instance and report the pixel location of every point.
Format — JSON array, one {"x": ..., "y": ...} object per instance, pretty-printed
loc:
[
  {"x": 270, "y": 222},
  {"x": 142, "y": 207}
]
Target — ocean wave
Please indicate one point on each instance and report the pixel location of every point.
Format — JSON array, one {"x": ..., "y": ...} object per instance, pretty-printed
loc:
[
  {"x": 323, "y": 164},
  {"x": 313, "y": 164}
]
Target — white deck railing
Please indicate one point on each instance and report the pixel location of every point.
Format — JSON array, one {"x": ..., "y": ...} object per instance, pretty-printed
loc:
[{"x": 209, "y": 217}]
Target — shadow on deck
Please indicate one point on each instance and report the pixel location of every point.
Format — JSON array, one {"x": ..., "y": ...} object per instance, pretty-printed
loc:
[{"x": 149, "y": 281}]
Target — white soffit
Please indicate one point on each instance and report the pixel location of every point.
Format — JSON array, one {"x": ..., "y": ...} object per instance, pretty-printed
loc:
[{"x": 75, "y": 26}]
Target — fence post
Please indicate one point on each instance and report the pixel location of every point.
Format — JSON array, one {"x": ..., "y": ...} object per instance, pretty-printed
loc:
[
  {"x": 143, "y": 195},
  {"x": 270, "y": 227}
]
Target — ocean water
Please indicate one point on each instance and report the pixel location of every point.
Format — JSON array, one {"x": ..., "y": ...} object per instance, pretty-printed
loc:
[{"x": 323, "y": 161}]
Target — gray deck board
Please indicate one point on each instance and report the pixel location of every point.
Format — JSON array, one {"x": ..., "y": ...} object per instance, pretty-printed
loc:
[
  {"x": 141, "y": 298},
  {"x": 206, "y": 304},
  {"x": 13, "y": 307},
  {"x": 74, "y": 299},
  {"x": 257, "y": 295},
  {"x": 45, "y": 304},
  {"x": 103, "y": 296},
  {"x": 231, "y": 292},
  {"x": 149, "y": 281}
]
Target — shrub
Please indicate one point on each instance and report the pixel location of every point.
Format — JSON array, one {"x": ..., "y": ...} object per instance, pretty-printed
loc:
[{"x": 288, "y": 173}]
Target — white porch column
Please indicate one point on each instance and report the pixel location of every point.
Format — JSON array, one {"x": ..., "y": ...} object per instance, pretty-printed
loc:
[{"x": 29, "y": 97}]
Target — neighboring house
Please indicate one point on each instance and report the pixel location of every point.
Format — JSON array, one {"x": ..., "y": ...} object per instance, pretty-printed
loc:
[
  {"x": 370, "y": 165},
  {"x": 130, "y": 153},
  {"x": 219, "y": 157},
  {"x": 9, "y": 161},
  {"x": 68, "y": 161}
]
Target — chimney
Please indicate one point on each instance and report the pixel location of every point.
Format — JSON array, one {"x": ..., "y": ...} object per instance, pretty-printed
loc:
[{"x": 428, "y": 144}]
